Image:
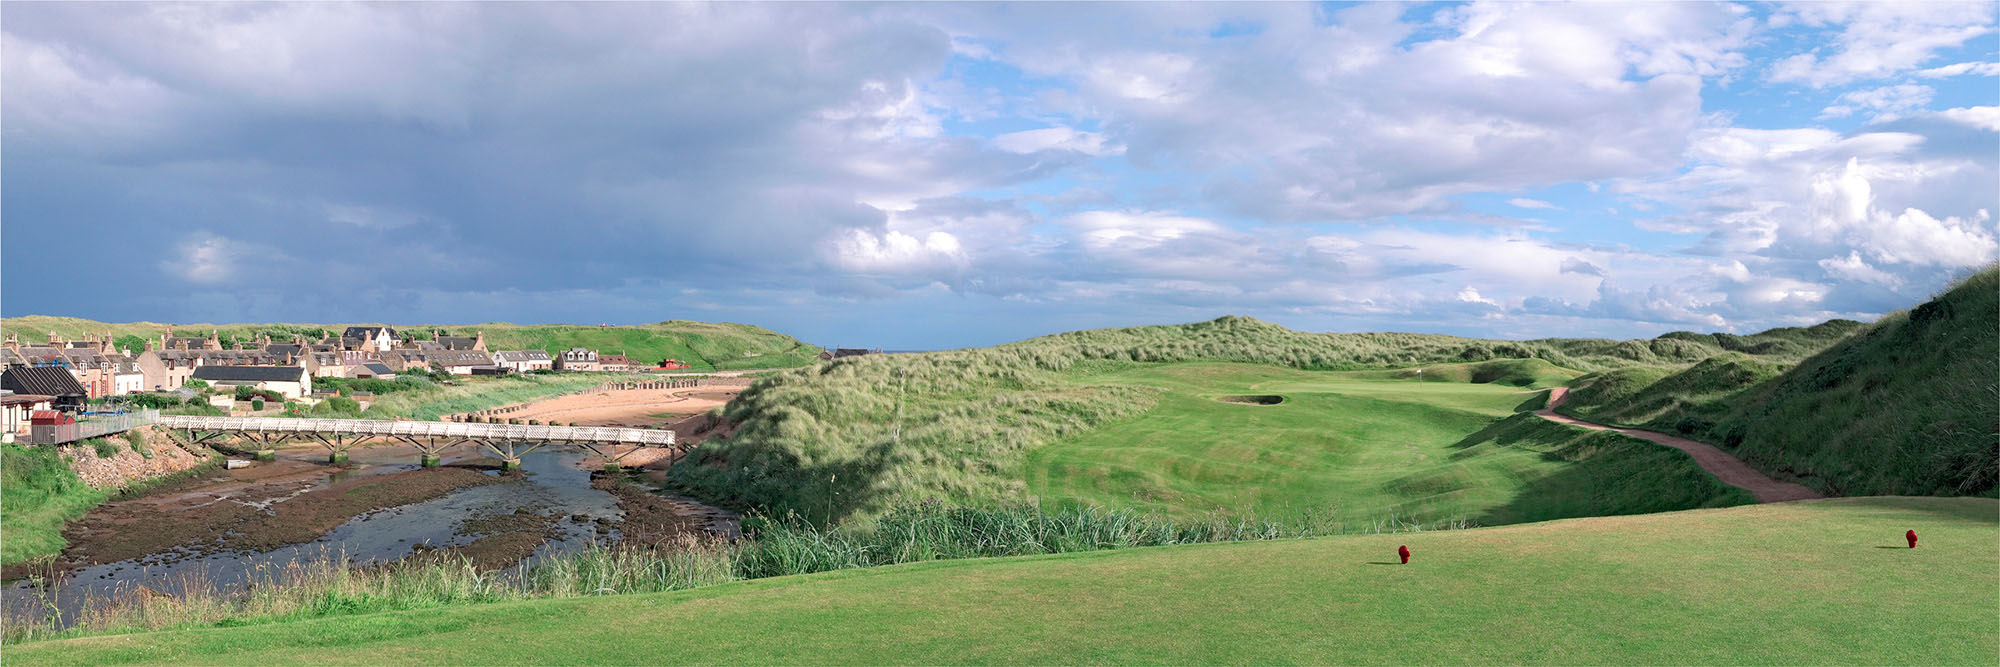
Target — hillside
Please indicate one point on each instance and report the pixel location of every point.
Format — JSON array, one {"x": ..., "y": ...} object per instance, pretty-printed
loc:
[
  {"x": 863, "y": 433},
  {"x": 1909, "y": 405},
  {"x": 1815, "y": 582},
  {"x": 703, "y": 345}
]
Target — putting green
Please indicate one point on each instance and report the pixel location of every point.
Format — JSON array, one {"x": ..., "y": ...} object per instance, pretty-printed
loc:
[{"x": 1341, "y": 446}]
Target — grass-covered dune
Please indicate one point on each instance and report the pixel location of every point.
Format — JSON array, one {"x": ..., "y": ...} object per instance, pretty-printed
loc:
[
  {"x": 703, "y": 345},
  {"x": 1816, "y": 582},
  {"x": 1908, "y": 405},
  {"x": 858, "y": 434}
]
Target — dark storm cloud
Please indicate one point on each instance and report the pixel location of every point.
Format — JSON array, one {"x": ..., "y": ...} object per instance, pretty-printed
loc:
[{"x": 458, "y": 147}]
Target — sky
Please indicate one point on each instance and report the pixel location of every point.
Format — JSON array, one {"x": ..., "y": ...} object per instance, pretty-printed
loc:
[{"x": 929, "y": 176}]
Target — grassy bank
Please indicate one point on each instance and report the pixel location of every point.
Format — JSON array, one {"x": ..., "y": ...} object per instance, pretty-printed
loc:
[
  {"x": 1910, "y": 405},
  {"x": 1819, "y": 582},
  {"x": 782, "y": 547},
  {"x": 38, "y": 493},
  {"x": 703, "y": 345}
]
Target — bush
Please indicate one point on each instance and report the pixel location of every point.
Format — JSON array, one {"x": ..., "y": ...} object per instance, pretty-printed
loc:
[
  {"x": 152, "y": 401},
  {"x": 257, "y": 404},
  {"x": 342, "y": 404},
  {"x": 196, "y": 384},
  {"x": 138, "y": 444},
  {"x": 103, "y": 447}
]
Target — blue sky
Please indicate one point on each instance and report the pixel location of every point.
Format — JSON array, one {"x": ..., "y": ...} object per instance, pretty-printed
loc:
[{"x": 916, "y": 176}]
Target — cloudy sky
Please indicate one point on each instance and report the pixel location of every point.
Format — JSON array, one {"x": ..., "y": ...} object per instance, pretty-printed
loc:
[{"x": 928, "y": 176}]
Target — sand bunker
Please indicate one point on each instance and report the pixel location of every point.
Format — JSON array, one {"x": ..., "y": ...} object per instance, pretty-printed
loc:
[{"x": 1264, "y": 399}]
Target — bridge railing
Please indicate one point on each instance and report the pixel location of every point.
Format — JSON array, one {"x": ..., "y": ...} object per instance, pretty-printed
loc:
[
  {"x": 91, "y": 427},
  {"x": 498, "y": 432}
]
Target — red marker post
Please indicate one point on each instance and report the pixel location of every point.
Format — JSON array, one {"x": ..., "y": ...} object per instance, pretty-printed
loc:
[
  {"x": 1912, "y": 537},
  {"x": 1405, "y": 553}
]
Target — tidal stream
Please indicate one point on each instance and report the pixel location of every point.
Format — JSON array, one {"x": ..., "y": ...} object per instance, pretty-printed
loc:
[{"x": 550, "y": 502}]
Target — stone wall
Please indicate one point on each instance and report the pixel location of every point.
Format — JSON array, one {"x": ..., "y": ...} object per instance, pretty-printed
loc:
[{"x": 128, "y": 466}]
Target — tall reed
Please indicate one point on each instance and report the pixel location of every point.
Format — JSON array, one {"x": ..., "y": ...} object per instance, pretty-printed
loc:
[{"x": 328, "y": 585}]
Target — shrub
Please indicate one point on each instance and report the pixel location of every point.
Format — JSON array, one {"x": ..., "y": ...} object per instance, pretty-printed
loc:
[
  {"x": 257, "y": 403},
  {"x": 152, "y": 401},
  {"x": 196, "y": 384},
  {"x": 138, "y": 443},
  {"x": 103, "y": 447}
]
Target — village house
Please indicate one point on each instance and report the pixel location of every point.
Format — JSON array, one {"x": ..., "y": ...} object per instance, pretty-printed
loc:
[
  {"x": 53, "y": 382},
  {"x": 379, "y": 339},
  {"x": 461, "y": 362},
  {"x": 475, "y": 343},
  {"x": 170, "y": 342},
  {"x": 97, "y": 367},
  {"x": 578, "y": 359},
  {"x": 616, "y": 363},
  {"x": 404, "y": 360},
  {"x": 15, "y": 410},
  {"x": 167, "y": 369},
  {"x": 289, "y": 381},
  {"x": 522, "y": 361}
]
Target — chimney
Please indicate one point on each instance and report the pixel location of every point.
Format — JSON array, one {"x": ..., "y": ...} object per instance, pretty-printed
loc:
[
  {"x": 55, "y": 340},
  {"x": 479, "y": 341},
  {"x": 13, "y": 342},
  {"x": 149, "y": 346}
]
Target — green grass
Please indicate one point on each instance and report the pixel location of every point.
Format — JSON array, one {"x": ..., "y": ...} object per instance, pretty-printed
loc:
[
  {"x": 38, "y": 493},
  {"x": 1818, "y": 582},
  {"x": 1909, "y": 405},
  {"x": 703, "y": 345},
  {"x": 327, "y": 586},
  {"x": 848, "y": 438},
  {"x": 1667, "y": 400},
  {"x": 1354, "y": 446}
]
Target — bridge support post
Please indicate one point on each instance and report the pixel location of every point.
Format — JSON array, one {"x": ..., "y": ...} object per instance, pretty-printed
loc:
[
  {"x": 431, "y": 461},
  {"x": 510, "y": 453},
  {"x": 267, "y": 455}
]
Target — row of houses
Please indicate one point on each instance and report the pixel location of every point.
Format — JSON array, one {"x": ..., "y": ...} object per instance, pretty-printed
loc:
[{"x": 357, "y": 352}]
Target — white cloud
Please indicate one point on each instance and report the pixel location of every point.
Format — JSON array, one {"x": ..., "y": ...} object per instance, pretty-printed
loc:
[
  {"x": 1056, "y": 138},
  {"x": 894, "y": 252},
  {"x": 1878, "y": 39},
  {"x": 1984, "y": 118},
  {"x": 1960, "y": 69},
  {"x": 1523, "y": 202},
  {"x": 1134, "y": 229},
  {"x": 370, "y": 216},
  {"x": 1853, "y": 267},
  {"x": 208, "y": 259},
  {"x": 1884, "y": 102}
]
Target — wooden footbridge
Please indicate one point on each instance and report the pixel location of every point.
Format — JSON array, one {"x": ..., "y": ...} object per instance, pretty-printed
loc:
[{"x": 508, "y": 442}]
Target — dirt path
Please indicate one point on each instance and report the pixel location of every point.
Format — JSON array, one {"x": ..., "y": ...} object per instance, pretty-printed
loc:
[{"x": 1729, "y": 469}]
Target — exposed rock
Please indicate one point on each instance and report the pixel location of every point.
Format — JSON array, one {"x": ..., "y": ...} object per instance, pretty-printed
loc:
[{"x": 129, "y": 466}]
